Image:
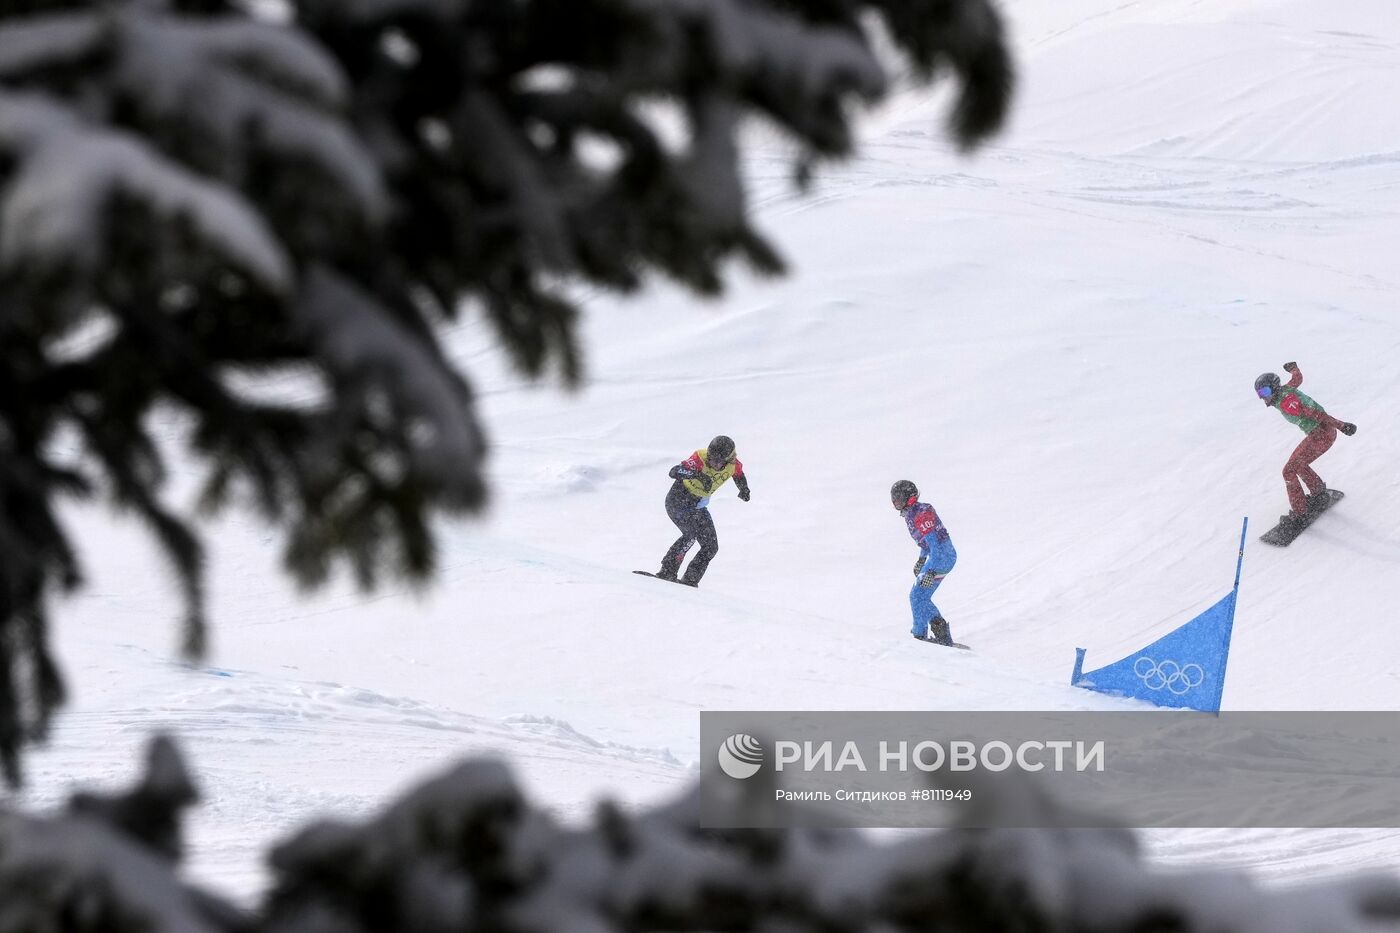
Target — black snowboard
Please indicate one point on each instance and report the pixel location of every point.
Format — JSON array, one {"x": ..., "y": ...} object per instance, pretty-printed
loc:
[
  {"x": 955, "y": 644},
  {"x": 648, "y": 573},
  {"x": 1283, "y": 537}
]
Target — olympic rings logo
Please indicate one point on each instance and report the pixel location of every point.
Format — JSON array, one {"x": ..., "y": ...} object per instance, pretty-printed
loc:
[{"x": 1168, "y": 675}]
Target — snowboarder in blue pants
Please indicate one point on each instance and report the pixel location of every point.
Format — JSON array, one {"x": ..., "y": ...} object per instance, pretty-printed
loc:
[{"x": 936, "y": 559}]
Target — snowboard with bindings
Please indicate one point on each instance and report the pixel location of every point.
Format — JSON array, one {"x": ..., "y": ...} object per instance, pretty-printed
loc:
[
  {"x": 956, "y": 644},
  {"x": 1283, "y": 534},
  {"x": 648, "y": 573}
]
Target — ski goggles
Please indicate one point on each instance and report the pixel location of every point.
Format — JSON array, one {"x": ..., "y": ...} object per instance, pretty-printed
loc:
[{"x": 1264, "y": 392}]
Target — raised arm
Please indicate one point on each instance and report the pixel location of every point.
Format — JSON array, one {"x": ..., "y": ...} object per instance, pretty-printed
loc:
[{"x": 1312, "y": 414}]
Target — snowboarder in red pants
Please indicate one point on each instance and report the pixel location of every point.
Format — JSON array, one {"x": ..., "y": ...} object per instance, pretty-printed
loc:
[{"x": 1321, "y": 430}]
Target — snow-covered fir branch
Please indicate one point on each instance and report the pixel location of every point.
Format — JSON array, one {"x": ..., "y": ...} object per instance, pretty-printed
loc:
[{"x": 468, "y": 850}]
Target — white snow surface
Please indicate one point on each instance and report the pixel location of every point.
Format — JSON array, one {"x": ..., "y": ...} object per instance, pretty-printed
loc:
[{"x": 1056, "y": 339}]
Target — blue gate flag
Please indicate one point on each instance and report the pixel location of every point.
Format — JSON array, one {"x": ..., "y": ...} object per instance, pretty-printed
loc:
[{"x": 1184, "y": 669}]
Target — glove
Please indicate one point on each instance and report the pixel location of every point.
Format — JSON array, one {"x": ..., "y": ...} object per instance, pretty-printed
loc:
[
  {"x": 930, "y": 578},
  {"x": 918, "y": 563},
  {"x": 1289, "y": 367},
  {"x": 704, "y": 481},
  {"x": 744, "y": 494},
  {"x": 1347, "y": 428}
]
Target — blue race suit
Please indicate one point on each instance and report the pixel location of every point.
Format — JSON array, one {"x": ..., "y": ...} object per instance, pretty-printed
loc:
[{"x": 936, "y": 558}]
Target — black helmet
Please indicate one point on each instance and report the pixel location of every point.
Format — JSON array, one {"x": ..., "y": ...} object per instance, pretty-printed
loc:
[
  {"x": 903, "y": 494},
  {"x": 1266, "y": 387},
  {"x": 721, "y": 449}
]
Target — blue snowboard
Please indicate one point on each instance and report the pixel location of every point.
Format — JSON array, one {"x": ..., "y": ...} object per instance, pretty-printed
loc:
[{"x": 1283, "y": 537}]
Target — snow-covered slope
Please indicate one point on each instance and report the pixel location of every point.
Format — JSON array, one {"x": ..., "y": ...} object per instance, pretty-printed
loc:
[{"x": 1056, "y": 339}]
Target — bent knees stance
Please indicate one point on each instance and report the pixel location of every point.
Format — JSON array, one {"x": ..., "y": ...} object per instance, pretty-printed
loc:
[
  {"x": 702, "y": 529},
  {"x": 689, "y": 515},
  {"x": 924, "y": 609},
  {"x": 1313, "y": 446},
  {"x": 920, "y": 595},
  {"x": 697, "y": 526}
]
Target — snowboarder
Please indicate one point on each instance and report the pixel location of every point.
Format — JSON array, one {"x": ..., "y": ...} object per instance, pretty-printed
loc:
[
  {"x": 697, "y": 478},
  {"x": 1321, "y": 430},
  {"x": 936, "y": 558}
]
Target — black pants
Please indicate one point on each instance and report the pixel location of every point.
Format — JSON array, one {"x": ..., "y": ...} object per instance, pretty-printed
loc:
[{"x": 695, "y": 525}]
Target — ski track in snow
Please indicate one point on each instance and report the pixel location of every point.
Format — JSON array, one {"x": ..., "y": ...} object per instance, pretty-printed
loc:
[
  {"x": 338, "y": 749},
  {"x": 1054, "y": 339}
]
